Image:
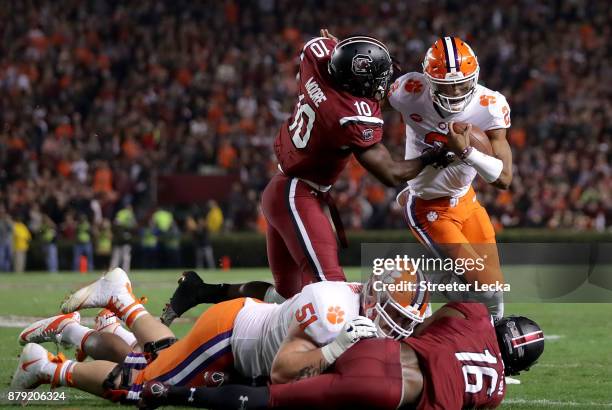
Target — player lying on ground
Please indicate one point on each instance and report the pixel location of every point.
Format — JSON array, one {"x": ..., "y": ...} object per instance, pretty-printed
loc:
[
  {"x": 299, "y": 338},
  {"x": 455, "y": 359}
]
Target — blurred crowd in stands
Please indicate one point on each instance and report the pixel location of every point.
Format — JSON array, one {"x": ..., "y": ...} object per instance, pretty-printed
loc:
[{"x": 98, "y": 98}]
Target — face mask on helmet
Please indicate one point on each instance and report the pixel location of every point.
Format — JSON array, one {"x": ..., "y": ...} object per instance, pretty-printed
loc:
[
  {"x": 453, "y": 95},
  {"x": 451, "y": 70},
  {"x": 395, "y": 307}
]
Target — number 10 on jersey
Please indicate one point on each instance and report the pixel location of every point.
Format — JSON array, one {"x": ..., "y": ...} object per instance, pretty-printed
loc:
[{"x": 301, "y": 133}]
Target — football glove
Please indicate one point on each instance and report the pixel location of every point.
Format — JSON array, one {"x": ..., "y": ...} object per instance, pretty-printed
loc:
[
  {"x": 437, "y": 156},
  {"x": 354, "y": 330}
]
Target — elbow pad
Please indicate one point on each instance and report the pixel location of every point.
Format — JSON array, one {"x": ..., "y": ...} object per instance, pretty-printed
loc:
[{"x": 488, "y": 167}]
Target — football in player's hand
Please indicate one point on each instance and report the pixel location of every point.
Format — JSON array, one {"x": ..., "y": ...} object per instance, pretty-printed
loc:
[{"x": 478, "y": 139}]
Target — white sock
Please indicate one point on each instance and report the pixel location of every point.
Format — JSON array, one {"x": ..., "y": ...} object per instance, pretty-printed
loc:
[
  {"x": 73, "y": 334},
  {"x": 59, "y": 374},
  {"x": 127, "y": 336}
]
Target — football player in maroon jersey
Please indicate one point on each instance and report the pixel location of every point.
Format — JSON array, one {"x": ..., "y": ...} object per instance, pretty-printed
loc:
[
  {"x": 337, "y": 115},
  {"x": 456, "y": 359}
]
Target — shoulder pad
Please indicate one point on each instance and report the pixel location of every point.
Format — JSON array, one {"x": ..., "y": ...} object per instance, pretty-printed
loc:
[{"x": 323, "y": 309}]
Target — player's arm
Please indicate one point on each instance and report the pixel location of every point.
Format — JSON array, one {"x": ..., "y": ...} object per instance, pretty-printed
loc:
[
  {"x": 501, "y": 150},
  {"x": 377, "y": 160},
  {"x": 488, "y": 167},
  {"x": 299, "y": 356}
]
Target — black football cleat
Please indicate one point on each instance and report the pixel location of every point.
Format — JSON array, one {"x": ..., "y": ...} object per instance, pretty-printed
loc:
[
  {"x": 184, "y": 298},
  {"x": 192, "y": 291}
]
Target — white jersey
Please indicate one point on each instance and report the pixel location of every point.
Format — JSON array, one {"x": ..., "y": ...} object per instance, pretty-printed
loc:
[
  {"x": 410, "y": 96},
  {"x": 321, "y": 309}
]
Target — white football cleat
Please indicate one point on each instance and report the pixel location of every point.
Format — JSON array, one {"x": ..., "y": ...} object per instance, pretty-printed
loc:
[
  {"x": 47, "y": 330},
  {"x": 112, "y": 291},
  {"x": 29, "y": 373}
]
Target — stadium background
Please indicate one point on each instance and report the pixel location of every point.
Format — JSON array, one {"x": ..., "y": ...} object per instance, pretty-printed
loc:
[
  {"x": 176, "y": 104},
  {"x": 172, "y": 106}
]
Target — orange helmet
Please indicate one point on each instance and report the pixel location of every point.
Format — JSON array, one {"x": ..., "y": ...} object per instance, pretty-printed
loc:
[
  {"x": 451, "y": 68},
  {"x": 396, "y": 302}
]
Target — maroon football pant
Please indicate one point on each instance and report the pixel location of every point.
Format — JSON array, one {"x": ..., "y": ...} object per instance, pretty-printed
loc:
[
  {"x": 301, "y": 242},
  {"x": 367, "y": 376}
]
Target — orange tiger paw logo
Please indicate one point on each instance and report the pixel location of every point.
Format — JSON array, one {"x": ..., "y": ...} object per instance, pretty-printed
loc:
[
  {"x": 335, "y": 315},
  {"x": 486, "y": 100},
  {"x": 413, "y": 86}
]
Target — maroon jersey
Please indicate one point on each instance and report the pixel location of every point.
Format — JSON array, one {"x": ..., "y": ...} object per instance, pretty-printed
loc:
[
  {"x": 316, "y": 142},
  {"x": 460, "y": 360}
]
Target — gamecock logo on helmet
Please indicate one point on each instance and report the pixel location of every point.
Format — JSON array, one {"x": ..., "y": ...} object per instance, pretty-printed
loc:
[{"x": 361, "y": 64}]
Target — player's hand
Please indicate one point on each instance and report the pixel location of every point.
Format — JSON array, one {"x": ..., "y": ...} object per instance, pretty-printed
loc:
[
  {"x": 437, "y": 156},
  {"x": 353, "y": 331},
  {"x": 325, "y": 33},
  {"x": 457, "y": 142}
]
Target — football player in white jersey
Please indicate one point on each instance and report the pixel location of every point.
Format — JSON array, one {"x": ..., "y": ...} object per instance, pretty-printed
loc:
[
  {"x": 299, "y": 338},
  {"x": 440, "y": 204}
]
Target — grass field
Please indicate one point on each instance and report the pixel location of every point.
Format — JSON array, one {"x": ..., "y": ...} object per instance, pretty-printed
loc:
[{"x": 575, "y": 370}]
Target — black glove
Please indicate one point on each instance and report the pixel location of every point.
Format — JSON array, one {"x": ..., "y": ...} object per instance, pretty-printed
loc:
[{"x": 437, "y": 156}]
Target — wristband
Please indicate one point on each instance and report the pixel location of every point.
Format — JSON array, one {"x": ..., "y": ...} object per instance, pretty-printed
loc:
[{"x": 488, "y": 167}]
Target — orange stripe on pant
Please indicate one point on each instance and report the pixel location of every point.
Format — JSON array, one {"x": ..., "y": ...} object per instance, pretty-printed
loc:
[
  {"x": 456, "y": 228},
  {"x": 205, "y": 348}
]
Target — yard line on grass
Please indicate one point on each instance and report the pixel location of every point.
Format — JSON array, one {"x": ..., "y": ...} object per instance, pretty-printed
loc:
[
  {"x": 568, "y": 365},
  {"x": 553, "y": 338},
  {"x": 553, "y": 403}
]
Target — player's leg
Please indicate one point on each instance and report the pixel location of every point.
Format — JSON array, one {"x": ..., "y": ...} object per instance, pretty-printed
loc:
[
  {"x": 67, "y": 330},
  {"x": 206, "y": 348},
  {"x": 441, "y": 228},
  {"x": 38, "y": 366},
  {"x": 114, "y": 292},
  {"x": 479, "y": 231},
  {"x": 284, "y": 269},
  {"x": 192, "y": 291},
  {"x": 294, "y": 210},
  {"x": 369, "y": 375}
]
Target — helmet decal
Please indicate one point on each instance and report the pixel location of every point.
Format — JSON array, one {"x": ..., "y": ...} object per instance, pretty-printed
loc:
[{"x": 361, "y": 64}]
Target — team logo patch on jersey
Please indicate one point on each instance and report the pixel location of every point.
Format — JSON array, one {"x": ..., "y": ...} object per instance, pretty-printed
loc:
[
  {"x": 413, "y": 86},
  {"x": 486, "y": 100},
  {"x": 367, "y": 134},
  {"x": 432, "y": 216},
  {"x": 361, "y": 64},
  {"x": 335, "y": 315},
  {"x": 416, "y": 117}
]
